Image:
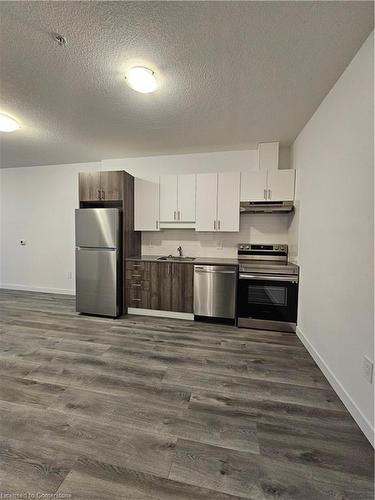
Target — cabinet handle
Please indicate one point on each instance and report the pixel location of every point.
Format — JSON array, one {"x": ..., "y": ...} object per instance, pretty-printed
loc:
[
  {"x": 103, "y": 194},
  {"x": 178, "y": 215},
  {"x": 218, "y": 225},
  {"x": 137, "y": 275},
  {"x": 265, "y": 194},
  {"x": 137, "y": 300},
  {"x": 156, "y": 224},
  {"x": 269, "y": 194},
  {"x": 99, "y": 194},
  {"x": 214, "y": 225},
  {"x": 174, "y": 215},
  {"x": 136, "y": 284}
]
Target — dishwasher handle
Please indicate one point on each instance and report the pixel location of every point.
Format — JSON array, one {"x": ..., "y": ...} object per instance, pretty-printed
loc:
[{"x": 201, "y": 270}]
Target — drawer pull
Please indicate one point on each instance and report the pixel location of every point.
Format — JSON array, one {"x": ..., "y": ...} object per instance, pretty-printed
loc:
[
  {"x": 137, "y": 275},
  {"x": 136, "y": 300}
]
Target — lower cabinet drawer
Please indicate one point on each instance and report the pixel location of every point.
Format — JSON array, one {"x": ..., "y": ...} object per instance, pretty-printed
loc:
[
  {"x": 138, "y": 285},
  {"x": 136, "y": 270},
  {"x": 137, "y": 298}
]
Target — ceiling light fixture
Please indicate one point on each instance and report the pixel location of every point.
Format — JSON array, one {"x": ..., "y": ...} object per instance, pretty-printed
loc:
[
  {"x": 141, "y": 79},
  {"x": 8, "y": 124}
]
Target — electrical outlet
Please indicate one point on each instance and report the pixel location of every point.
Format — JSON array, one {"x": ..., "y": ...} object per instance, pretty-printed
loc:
[
  {"x": 70, "y": 275},
  {"x": 368, "y": 369},
  {"x": 23, "y": 242}
]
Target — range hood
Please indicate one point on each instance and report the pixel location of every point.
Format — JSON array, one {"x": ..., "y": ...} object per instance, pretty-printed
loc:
[{"x": 251, "y": 207}]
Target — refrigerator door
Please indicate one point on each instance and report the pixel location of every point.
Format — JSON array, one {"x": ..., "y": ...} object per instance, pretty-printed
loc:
[
  {"x": 96, "y": 281},
  {"x": 98, "y": 227}
]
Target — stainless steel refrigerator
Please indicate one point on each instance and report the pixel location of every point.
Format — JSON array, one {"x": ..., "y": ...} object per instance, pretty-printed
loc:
[{"x": 98, "y": 261}]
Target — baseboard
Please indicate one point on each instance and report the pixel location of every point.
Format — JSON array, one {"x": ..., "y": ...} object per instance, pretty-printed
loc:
[
  {"x": 345, "y": 397},
  {"x": 42, "y": 289},
  {"x": 160, "y": 314}
]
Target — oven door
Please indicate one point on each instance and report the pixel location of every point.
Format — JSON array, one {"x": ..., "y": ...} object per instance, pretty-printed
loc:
[{"x": 268, "y": 297}]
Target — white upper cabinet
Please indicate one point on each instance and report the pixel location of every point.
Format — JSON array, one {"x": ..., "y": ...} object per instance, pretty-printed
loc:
[
  {"x": 253, "y": 185},
  {"x": 218, "y": 202},
  {"x": 168, "y": 198},
  {"x": 280, "y": 185},
  {"x": 271, "y": 185},
  {"x": 206, "y": 204},
  {"x": 177, "y": 198},
  {"x": 186, "y": 188},
  {"x": 228, "y": 201},
  {"x": 268, "y": 156},
  {"x": 146, "y": 204}
]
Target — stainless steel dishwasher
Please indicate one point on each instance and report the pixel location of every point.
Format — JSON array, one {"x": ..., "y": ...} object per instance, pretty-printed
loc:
[{"x": 215, "y": 289}]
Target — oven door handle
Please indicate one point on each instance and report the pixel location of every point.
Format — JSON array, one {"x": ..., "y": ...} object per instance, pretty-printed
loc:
[{"x": 268, "y": 277}]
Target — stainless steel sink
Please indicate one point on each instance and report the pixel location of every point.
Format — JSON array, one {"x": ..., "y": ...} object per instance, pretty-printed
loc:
[{"x": 171, "y": 257}]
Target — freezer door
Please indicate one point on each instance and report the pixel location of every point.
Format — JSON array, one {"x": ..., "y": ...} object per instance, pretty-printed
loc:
[
  {"x": 98, "y": 227},
  {"x": 96, "y": 282}
]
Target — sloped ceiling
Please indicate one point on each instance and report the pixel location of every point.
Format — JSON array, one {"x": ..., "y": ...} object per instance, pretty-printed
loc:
[{"x": 231, "y": 74}]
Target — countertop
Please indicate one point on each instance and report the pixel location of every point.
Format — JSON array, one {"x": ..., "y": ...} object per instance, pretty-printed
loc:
[
  {"x": 198, "y": 260},
  {"x": 216, "y": 261}
]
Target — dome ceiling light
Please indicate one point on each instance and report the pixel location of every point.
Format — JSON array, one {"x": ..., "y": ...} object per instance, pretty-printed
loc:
[
  {"x": 141, "y": 79},
  {"x": 8, "y": 124}
]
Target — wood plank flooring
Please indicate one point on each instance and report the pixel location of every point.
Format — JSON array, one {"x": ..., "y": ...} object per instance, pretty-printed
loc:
[{"x": 144, "y": 408}]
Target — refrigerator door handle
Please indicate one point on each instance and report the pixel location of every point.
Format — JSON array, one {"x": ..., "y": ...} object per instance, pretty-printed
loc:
[{"x": 98, "y": 249}]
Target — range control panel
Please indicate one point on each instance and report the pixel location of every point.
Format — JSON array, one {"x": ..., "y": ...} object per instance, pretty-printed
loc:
[{"x": 263, "y": 247}]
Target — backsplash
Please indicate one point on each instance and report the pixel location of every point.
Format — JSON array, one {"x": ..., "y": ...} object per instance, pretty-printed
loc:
[{"x": 254, "y": 228}]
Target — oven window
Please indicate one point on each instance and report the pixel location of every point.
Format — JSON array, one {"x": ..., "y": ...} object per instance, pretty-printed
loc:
[{"x": 268, "y": 295}]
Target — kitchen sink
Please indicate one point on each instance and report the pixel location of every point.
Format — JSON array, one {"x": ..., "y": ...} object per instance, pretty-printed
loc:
[{"x": 171, "y": 257}]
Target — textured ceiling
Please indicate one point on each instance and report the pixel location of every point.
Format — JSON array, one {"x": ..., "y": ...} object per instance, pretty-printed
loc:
[{"x": 231, "y": 74}]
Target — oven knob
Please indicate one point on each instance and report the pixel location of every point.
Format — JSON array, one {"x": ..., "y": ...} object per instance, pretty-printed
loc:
[
  {"x": 248, "y": 247},
  {"x": 276, "y": 248},
  {"x": 241, "y": 247}
]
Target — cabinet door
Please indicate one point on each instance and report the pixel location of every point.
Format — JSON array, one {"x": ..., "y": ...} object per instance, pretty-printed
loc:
[
  {"x": 89, "y": 185},
  {"x": 182, "y": 288},
  {"x": 146, "y": 204},
  {"x": 253, "y": 186},
  {"x": 228, "y": 201},
  {"x": 186, "y": 186},
  {"x": 161, "y": 286},
  {"x": 168, "y": 198},
  {"x": 280, "y": 185},
  {"x": 111, "y": 185},
  {"x": 268, "y": 156},
  {"x": 206, "y": 202}
]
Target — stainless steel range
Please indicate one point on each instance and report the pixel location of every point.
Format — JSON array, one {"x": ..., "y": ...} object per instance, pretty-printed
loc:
[{"x": 268, "y": 287}]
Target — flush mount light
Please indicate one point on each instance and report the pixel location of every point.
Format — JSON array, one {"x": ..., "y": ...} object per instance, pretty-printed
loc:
[
  {"x": 141, "y": 79},
  {"x": 8, "y": 124}
]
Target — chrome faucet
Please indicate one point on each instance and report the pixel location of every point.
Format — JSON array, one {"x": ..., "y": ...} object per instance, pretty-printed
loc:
[{"x": 179, "y": 250}]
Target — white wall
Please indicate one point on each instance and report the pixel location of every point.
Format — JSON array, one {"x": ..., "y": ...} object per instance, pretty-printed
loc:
[
  {"x": 334, "y": 159},
  {"x": 37, "y": 204}
]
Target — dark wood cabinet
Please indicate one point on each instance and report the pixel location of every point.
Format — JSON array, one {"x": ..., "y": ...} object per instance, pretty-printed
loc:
[
  {"x": 89, "y": 186},
  {"x": 102, "y": 186},
  {"x": 163, "y": 286},
  {"x": 182, "y": 287},
  {"x": 137, "y": 289},
  {"x": 111, "y": 184}
]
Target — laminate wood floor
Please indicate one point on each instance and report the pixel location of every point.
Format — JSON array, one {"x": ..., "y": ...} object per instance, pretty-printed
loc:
[{"x": 144, "y": 408}]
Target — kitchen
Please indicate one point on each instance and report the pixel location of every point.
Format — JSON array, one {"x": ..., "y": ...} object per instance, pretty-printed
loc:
[
  {"x": 181, "y": 312},
  {"x": 186, "y": 286}
]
